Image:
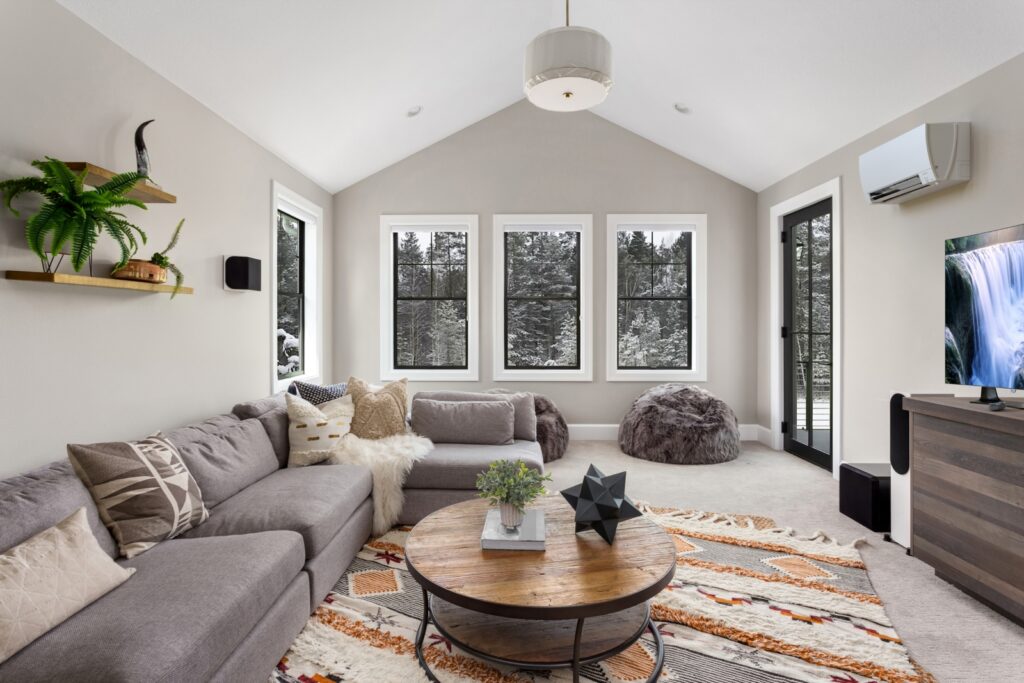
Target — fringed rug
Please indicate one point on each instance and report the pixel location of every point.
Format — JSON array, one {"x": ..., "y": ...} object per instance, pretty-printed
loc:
[{"x": 749, "y": 602}]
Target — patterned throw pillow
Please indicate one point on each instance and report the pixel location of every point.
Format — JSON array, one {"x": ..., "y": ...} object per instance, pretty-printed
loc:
[
  {"x": 144, "y": 491},
  {"x": 317, "y": 393},
  {"x": 380, "y": 412},
  {"x": 51, "y": 576},
  {"x": 314, "y": 431}
]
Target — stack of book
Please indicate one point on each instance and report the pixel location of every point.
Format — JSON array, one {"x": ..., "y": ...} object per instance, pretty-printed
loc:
[{"x": 529, "y": 535}]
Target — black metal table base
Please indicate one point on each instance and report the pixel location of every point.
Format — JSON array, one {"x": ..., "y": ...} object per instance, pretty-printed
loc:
[{"x": 574, "y": 664}]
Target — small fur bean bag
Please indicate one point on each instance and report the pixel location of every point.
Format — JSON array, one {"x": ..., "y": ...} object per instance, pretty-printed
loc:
[{"x": 680, "y": 424}]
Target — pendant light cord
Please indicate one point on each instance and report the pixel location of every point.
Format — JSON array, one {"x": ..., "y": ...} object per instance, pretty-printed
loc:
[{"x": 566, "y": 12}]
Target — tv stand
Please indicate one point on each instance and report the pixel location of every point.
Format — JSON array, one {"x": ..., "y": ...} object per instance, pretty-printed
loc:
[
  {"x": 988, "y": 395},
  {"x": 967, "y": 496}
]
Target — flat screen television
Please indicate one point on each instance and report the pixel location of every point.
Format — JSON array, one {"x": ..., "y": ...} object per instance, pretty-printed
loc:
[{"x": 985, "y": 311}]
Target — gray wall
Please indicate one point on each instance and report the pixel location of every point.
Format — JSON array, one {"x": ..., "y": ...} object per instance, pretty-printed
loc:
[
  {"x": 85, "y": 364},
  {"x": 525, "y": 160},
  {"x": 892, "y": 285}
]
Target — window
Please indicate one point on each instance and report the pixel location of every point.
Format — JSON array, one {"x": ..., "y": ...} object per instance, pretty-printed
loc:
[
  {"x": 291, "y": 257},
  {"x": 542, "y": 297},
  {"x": 296, "y": 289},
  {"x": 656, "y": 297},
  {"x": 428, "y": 298}
]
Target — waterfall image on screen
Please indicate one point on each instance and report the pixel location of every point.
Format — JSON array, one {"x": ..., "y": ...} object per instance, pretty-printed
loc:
[{"x": 985, "y": 309}]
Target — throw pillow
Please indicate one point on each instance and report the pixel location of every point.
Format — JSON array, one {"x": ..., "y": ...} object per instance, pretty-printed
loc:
[
  {"x": 317, "y": 393},
  {"x": 143, "y": 490},
  {"x": 480, "y": 422},
  {"x": 51, "y": 576},
  {"x": 380, "y": 412},
  {"x": 315, "y": 431}
]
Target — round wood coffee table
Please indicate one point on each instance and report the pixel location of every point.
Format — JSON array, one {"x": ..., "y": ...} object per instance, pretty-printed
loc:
[{"x": 579, "y": 601}]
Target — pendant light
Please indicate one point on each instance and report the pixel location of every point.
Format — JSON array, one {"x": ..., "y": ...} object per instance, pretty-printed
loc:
[{"x": 568, "y": 68}]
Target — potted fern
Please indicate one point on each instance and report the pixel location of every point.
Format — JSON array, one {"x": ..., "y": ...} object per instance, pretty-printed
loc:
[
  {"x": 155, "y": 269},
  {"x": 511, "y": 485},
  {"x": 73, "y": 217}
]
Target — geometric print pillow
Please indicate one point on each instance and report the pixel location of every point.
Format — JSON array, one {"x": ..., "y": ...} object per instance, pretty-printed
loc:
[
  {"x": 317, "y": 393},
  {"x": 315, "y": 431},
  {"x": 144, "y": 491}
]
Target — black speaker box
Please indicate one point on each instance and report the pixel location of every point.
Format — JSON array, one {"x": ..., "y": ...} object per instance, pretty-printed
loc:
[
  {"x": 864, "y": 494},
  {"x": 242, "y": 272},
  {"x": 899, "y": 435}
]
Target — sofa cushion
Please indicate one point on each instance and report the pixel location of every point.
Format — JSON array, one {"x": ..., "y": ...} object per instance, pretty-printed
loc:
[
  {"x": 313, "y": 501},
  {"x": 37, "y": 500},
  {"x": 190, "y": 603},
  {"x": 225, "y": 455},
  {"x": 251, "y": 409},
  {"x": 275, "y": 423},
  {"x": 476, "y": 422},
  {"x": 143, "y": 490},
  {"x": 456, "y": 465},
  {"x": 526, "y": 416}
]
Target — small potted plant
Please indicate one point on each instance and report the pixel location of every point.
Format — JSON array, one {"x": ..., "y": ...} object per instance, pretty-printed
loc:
[
  {"x": 72, "y": 217},
  {"x": 155, "y": 269},
  {"x": 511, "y": 485}
]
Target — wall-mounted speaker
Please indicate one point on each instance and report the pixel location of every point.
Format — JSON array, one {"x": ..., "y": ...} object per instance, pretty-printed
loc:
[{"x": 242, "y": 273}]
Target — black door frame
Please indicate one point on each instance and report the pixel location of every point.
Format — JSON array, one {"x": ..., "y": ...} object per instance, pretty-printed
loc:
[{"x": 791, "y": 445}]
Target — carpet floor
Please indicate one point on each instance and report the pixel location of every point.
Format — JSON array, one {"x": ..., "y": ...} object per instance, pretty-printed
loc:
[{"x": 948, "y": 633}]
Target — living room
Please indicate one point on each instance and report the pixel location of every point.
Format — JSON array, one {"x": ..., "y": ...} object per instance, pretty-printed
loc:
[{"x": 655, "y": 290}]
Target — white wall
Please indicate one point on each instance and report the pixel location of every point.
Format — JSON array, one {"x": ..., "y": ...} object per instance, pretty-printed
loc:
[
  {"x": 893, "y": 289},
  {"x": 525, "y": 160},
  {"x": 85, "y": 364}
]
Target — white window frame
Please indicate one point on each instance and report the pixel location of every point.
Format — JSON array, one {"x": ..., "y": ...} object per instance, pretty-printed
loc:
[
  {"x": 697, "y": 224},
  {"x": 582, "y": 223},
  {"x": 284, "y": 199},
  {"x": 389, "y": 225}
]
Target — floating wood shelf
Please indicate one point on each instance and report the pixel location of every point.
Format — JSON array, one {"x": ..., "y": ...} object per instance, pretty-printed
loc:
[
  {"x": 144, "y": 191},
  {"x": 89, "y": 281}
]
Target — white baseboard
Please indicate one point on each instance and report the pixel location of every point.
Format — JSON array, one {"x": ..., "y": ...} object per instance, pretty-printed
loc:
[
  {"x": 610, "y": 432},
  {"x": 764, "y": 436}
]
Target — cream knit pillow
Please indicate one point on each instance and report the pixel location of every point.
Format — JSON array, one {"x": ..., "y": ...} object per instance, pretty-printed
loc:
[
  {"x": 50, "y": 577},
  {"x": 315, "y": 431}
]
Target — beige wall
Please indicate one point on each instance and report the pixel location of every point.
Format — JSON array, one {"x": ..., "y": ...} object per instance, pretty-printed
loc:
[
  {"x": 83, "y": 364},
  {"x": 525, "y": 160},
  {"x": 892, "y": 285}
]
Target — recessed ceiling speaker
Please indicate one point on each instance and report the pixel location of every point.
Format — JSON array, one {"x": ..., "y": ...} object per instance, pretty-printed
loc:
[{"x": 242, "y": 273}]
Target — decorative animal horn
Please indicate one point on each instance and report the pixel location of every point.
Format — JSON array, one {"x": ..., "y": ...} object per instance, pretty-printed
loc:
[{"x": 141, "y": 153}]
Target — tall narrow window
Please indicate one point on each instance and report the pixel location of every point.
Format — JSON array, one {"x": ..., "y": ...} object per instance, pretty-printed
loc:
[
  {"x": 428, "y": 302},
  {"x": 295, "y": 278},
  {"x": 543, "y": 295},
  {"x": 291, "y": 258},
  {"x": 655, "y": 297}
]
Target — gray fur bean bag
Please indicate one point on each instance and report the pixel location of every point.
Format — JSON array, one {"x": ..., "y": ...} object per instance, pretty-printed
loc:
[
  {"x": 552, "y": 431},
  {"x": 680, "y": 424}
]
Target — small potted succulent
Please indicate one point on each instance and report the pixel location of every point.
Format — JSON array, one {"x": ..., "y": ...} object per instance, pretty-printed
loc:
[
  {"x": 155, "y": 269},
  {"x": 511, "y": 485}
]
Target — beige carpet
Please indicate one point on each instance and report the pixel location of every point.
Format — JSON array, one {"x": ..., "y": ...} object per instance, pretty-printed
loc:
[{"x": 948, "y": 633}]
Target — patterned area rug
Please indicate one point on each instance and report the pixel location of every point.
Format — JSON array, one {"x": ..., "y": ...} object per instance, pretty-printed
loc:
[{"x": 749, "y": 602}]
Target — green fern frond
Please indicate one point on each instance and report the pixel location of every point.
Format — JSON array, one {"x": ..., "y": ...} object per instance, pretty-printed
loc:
[
  {"x": 117, "y": 200},
  {"x": 38, "y": 226},
  {"x": 118, "y": 234},
  {"x": 62, "y": 179},
  {"x": 17, "y": 186},
  {"x": 121, "y": 183},
  {"x": 63, "y": 229},
  {"x": 82, "y": 242}
]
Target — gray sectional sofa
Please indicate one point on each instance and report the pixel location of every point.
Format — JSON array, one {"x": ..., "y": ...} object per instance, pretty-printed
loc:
[{"x": 224, "y": 601}]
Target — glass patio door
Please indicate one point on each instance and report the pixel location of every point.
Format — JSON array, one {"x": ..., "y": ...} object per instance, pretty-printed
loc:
[{"x": 807, "y": 333}]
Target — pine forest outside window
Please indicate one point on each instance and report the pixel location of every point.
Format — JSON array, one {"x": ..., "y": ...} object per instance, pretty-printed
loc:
[{"x": 291, "y": 256}]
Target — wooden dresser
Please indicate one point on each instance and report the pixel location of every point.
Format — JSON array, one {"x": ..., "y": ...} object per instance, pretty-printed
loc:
[{"x": 967, "y": 497}]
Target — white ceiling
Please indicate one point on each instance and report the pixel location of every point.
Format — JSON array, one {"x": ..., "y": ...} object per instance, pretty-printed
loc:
[{"x": 772, "y": 84}]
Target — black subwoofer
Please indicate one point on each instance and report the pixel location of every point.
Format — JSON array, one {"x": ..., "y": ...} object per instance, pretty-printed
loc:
[{"x": 864, "y": 494}]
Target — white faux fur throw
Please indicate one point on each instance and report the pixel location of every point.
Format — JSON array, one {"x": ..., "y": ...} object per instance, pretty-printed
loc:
[{"x": 389, "y": 459}]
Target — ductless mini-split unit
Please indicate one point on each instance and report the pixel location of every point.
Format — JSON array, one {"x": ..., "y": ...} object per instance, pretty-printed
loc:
[{"x": 928, "y": 158}]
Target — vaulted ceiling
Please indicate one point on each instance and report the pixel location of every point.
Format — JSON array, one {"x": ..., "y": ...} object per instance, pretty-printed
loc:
[{"x": 771, "y": 85}]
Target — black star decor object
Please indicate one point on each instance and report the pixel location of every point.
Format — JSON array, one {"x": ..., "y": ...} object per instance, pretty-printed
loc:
[{"x": 601, "y": 503}]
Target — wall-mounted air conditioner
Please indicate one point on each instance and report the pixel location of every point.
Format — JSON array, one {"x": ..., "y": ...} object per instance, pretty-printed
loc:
[{"x": 928, "y": 158}]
